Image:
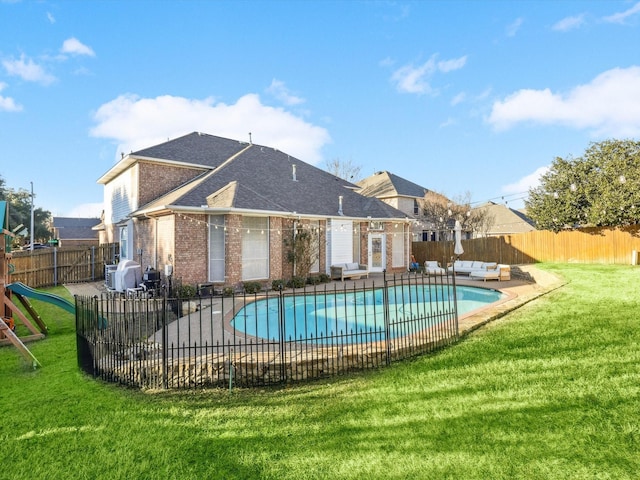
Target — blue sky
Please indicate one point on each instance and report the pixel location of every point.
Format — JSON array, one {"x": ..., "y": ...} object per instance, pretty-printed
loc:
[{"x": 457, "y": 96}]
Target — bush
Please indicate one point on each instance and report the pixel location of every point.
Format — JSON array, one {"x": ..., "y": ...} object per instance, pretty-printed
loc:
[
  {"x": 186, "y": 291},
  {"x": 227, "y": 291},
  {"x": 324, "y": 278},
  {"x": 252, "y": 287},
  {"x": 313, "y": 280},
  {"x": 296, "y": 282},
  {"x": 278, "y": 285}
]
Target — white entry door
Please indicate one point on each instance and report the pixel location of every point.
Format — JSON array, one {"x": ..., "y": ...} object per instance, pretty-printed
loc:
[{"x": 377, "y": 253}]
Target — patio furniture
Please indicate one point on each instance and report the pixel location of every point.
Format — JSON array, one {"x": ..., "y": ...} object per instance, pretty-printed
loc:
[
  {"x": 500, "y": 273},
  {"x": 432, "y": 267},
  {"x": 349, "y": 270}
]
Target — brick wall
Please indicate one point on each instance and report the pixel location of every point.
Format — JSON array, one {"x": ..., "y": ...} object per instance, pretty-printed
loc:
[
  {"x": 157, "y": 180},
  {"x": 233, "y": 249},
  {"x": 190, "y": 262}
]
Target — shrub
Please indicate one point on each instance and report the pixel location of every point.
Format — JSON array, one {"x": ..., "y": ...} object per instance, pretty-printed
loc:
[
  {"x": 278, "y": 285},
  {"x": 313, "y": 280},
  {"x": 227, "y": 291},
  {"x": 186, "y": 291},
  {"x": 324, "y": 278},
  {"x": 252, "y": 287},
  {"x": 296, "y": 282}
]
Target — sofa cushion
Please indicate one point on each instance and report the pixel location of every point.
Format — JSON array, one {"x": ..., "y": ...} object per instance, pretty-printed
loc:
[
  {"x": 351, "y": 266},
  {"x": 477, "y": 264}
]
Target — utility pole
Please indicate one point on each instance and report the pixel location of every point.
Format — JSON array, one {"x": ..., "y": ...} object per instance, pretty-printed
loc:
[{"x": 32, "y": 221}]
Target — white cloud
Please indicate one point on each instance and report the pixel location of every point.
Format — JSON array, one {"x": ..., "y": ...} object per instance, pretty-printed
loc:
[
  {"x": 459, "y": 98},
  {"x": 513, "y": 27},
  {"x": 569, "y": 23},
  {"x": 137, "y": 123},
  {"x": 279, "y": 90},
  {"x": 76, "y": 47},
  {"x": 412, "y": 79},
  {"x": 8, "y": 104},
  {"x": 605, "y": 106},
  {"x": 26, "y": 69},
  {"x": 453, "y": 64},
  {"x": 525, "y": 183},
  {"x": 621, "y": 17},
  {"x": 448, "y": 123}
]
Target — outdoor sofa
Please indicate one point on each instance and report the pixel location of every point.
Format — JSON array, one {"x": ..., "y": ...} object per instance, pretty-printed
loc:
[
  {"x": 501, "y": 272},
  {"x": 466, "y": 267},
  {"x": 349, "y": 270}
]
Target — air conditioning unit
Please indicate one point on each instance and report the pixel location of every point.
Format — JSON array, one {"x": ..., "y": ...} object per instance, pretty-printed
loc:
[{"x": 110, "y": 276}]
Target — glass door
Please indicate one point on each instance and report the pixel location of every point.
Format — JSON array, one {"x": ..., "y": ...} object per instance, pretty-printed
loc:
[{"x": 377, "y": 257}]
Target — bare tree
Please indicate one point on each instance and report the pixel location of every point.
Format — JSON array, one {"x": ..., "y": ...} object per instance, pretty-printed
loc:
[
  {"x": 344, "y": 169},
  {"x": 440, "y": 213}
]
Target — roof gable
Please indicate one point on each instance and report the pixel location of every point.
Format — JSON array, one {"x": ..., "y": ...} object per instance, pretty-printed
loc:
[{"x": 385, "y": 184}]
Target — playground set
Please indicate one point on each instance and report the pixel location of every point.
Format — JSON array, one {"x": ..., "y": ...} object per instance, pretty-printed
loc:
[{"x": 11, "y": 316}]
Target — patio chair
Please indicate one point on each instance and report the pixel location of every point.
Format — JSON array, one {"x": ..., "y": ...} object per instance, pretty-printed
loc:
[{"x": 432, "y": 267}]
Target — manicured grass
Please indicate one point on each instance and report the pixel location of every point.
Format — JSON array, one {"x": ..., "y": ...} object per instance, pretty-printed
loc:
[{"x": 551, "y": 391}]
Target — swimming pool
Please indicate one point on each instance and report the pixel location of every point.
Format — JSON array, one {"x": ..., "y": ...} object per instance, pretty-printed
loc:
[{"x": 359, "y": 315}]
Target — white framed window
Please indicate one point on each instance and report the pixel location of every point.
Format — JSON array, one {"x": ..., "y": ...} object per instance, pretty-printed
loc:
[
  {"x": 356, "y": 242},
  {"x": 255, "y": 248},
  {"x": 216, "y": 248},
  {"x": 397, "y": 245},
  {"x": 376, "y": 226},
  {"x": 124, "y": 242}
]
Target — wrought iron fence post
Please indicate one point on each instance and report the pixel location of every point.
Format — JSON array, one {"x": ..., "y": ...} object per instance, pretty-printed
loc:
[
  {"x": 281, "y": 335},
  {"x": 455, "y": 300},
  {"x": 387, "y": 321},
  {"x": 165, "y": 346}
]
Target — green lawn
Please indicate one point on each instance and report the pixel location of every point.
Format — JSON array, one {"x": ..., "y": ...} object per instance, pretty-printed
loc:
[{"x": 551, "y": 391}]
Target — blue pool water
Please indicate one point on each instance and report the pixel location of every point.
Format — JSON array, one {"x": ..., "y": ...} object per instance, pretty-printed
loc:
[{"x": 317, "y": 316}]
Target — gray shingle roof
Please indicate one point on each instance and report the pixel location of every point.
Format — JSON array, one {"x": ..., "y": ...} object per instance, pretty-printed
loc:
[
  {"x": 199, "y": 148},
  {"x": 386, "y": 184},
  {"x": 265, "y": 181},
  {"x": 75, "y": 228}
]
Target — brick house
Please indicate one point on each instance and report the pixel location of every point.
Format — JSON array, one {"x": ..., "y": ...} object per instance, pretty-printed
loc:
[
  {"x": 223, "y": 211},
  {"x": 407, "y": 197}
]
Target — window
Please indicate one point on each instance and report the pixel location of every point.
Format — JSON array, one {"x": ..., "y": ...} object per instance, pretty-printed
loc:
[
  {"x": 255, "y": 248},
  {"x": 124, "y": 244},
  {"x": 376, "y": 225},
  {"x": 216, "y": 248},
  {"x": 356, "y": 242},
  {"x": 397, "y": 256},
  {"x": 416, "y": 208}
]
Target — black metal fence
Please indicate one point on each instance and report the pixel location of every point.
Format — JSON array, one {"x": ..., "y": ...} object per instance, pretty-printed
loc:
[{"x": 269, "y": 338}]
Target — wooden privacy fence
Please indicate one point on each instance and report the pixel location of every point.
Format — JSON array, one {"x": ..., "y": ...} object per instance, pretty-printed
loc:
[
  {"x": 586, "y": 245},
  {"x": 55, "y": 266}
]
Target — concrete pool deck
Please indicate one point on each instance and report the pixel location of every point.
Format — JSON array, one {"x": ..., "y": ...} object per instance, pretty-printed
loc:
[{"x": 527, "y": 283}]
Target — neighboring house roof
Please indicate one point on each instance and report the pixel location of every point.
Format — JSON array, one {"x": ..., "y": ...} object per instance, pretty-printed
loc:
[
  {"x": 69, "y": 228},
  {"x": 248, "y": 177},
  {"x": 506, "y": 220},
  {"x": 385, "y": 184}
]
